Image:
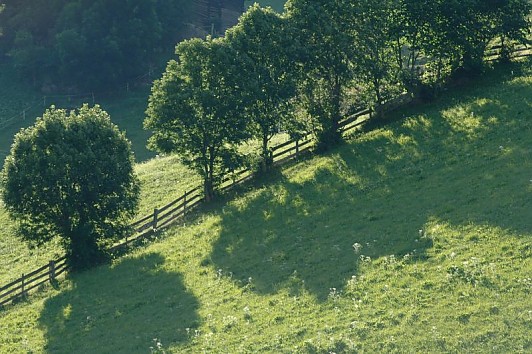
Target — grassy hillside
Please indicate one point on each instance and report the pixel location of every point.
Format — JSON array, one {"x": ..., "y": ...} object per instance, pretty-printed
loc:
[
  {"x": 126, "y": 110},
  {"x": 412, "y": 238}
]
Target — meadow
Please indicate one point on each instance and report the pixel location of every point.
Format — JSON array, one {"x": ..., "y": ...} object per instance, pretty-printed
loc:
[
  {"x": 126, "y": 109},
  {"x": 412, "y": 237}
]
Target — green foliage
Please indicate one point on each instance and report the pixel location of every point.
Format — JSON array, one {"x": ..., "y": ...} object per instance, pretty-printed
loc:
[
  {"x": 323, "y": 30},
  {"x": 374, "y": 24},
  {"x": 454, "y": 34},
  {"x": 2, "y": 6},
  {"x": 510, "y": 22},
  {"x": 197, "y": 109},
  {"x": 265, "y": 38},
  {"x": 90, "y": 44},
  {"x": 277, "y": 5},
  {"x": 71, "y": 175},
  {"x": 328, "y": 256}
]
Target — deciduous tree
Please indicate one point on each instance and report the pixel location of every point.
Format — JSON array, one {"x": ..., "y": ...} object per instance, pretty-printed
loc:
[
  {"x": 71, "y": 176},
  {"x": 324, "y": 32},
  {"x": 265, "y": 37},
  {"x": 197, "y": 109}
]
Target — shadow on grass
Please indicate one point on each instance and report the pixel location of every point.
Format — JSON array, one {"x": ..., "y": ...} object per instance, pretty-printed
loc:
[
  {"x": 308, "y": 236},
  {"x": 126, "y": 308},
  {"x": 463, "y": 160}
]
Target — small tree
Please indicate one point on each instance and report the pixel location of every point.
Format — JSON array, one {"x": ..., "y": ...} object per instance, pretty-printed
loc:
[
  {"x": 197, "y": 109},
  {"x": 264, "y": 36},
  {"x": 374, "y": 34},
  {"x": 511, "y": 21},
  {"x": 71, "y": 175},
  {"x": 324, "y": 30}
]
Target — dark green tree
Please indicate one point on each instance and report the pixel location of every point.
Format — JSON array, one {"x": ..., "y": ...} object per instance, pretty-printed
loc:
[
  {"x": 373, "y": 30},
  {"x": 71, "y": 176},
  {"x": 511, "y": 22},
  {"x": 197, "y": 109},
  {"x": 264, "y": 36},
  {"x": 1, "y": 9},
  {"x": 91, "y": 44},
  {"x": 324, "y": 31}
]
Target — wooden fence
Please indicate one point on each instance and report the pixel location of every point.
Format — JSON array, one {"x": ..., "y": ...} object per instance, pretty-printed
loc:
[
  {"x": 493, "y": 53},
  {"x": 19, "y": 288},
  {"x": 168, "y": 214}
]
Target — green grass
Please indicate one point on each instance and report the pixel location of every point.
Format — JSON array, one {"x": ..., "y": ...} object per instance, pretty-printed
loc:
[
  {"x": 327, "y": 254},
  {"x": 125, "y": 108}
]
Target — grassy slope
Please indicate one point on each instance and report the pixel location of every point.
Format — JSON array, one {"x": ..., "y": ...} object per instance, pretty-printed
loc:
[
  {"x": 328, "y": 255},
  {"x": 126, "y": 110}
]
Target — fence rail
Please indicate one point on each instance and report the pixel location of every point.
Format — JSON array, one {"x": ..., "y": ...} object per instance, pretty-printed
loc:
[
  {"x": 19, "y": 288},
  {"x": 166, "y": 215}
]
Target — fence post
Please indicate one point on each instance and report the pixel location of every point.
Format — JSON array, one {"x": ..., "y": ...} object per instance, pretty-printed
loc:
[
  {"x": 185, "y": 203},
  {"x": 22, "y": 288},
  {"x": 155, "y": 218},
  {"x": 51, "y": 272},
  {"x": 297, "y": 148}
]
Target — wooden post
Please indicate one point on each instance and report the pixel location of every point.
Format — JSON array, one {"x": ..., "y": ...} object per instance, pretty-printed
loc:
[
  {"x": 51, "y": 271},
  {"x": 22, "y": 288},
  {"x": 297, "y": 148},
  {"x": 155, "y": 218},
  {"x": 185, "y": 203}
]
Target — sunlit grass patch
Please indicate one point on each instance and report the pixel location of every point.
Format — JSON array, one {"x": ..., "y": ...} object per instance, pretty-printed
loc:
[{"x": 411, "y": 238}]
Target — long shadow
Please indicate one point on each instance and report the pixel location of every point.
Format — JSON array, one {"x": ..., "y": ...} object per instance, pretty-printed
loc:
[
  {"x": 127, "y": 308},
  {"x": 308, "y": 236},
  {"x": 372, "y": 198}
]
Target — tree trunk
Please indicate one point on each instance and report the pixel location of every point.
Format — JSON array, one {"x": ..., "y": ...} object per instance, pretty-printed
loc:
[
  {"x": 266, "y": 160},
  {"x": 208, "y": 183},
  {"x": 83, "y": 251}
]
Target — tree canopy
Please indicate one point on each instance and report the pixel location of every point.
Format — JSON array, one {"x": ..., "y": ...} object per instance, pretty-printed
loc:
[
  {"x": 266, "y": 39},
  {"x": 323, "y": 28},
  {"x": 71, "y": 176},
  {"x": 90, "y": 44},
  {"x": 275, "y": 71},
  {"x": 197, "y": 109}
]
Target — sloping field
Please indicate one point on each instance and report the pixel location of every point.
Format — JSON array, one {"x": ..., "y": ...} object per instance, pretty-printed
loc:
[{"x": 415, "y": 237}]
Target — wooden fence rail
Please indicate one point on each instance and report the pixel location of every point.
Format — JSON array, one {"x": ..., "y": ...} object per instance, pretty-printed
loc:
[
  {"x": 19, "y": 288},
  {"x": 168, "y": 214}
]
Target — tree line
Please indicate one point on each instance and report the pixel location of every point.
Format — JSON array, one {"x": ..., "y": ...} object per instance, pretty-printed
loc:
[
  {"x": 89, "y": 44},
  {"x": 302, "y": 71},
  {"x": 71, "y": 174}
]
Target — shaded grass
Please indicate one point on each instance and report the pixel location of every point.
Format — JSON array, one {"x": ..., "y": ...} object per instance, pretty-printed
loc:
[
  {"x": 125, "y": 108},
  {"x": 327, "y": 255}
]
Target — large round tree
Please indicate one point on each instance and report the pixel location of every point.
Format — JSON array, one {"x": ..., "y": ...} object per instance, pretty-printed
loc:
[{"x": 71, "y": 175}]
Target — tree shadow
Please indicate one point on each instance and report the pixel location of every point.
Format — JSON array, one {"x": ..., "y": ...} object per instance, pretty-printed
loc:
[
  {"x": 126, "y": 308},
  {"x": 442, "y": 162},
  {"x": 308, "y": 236}
]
